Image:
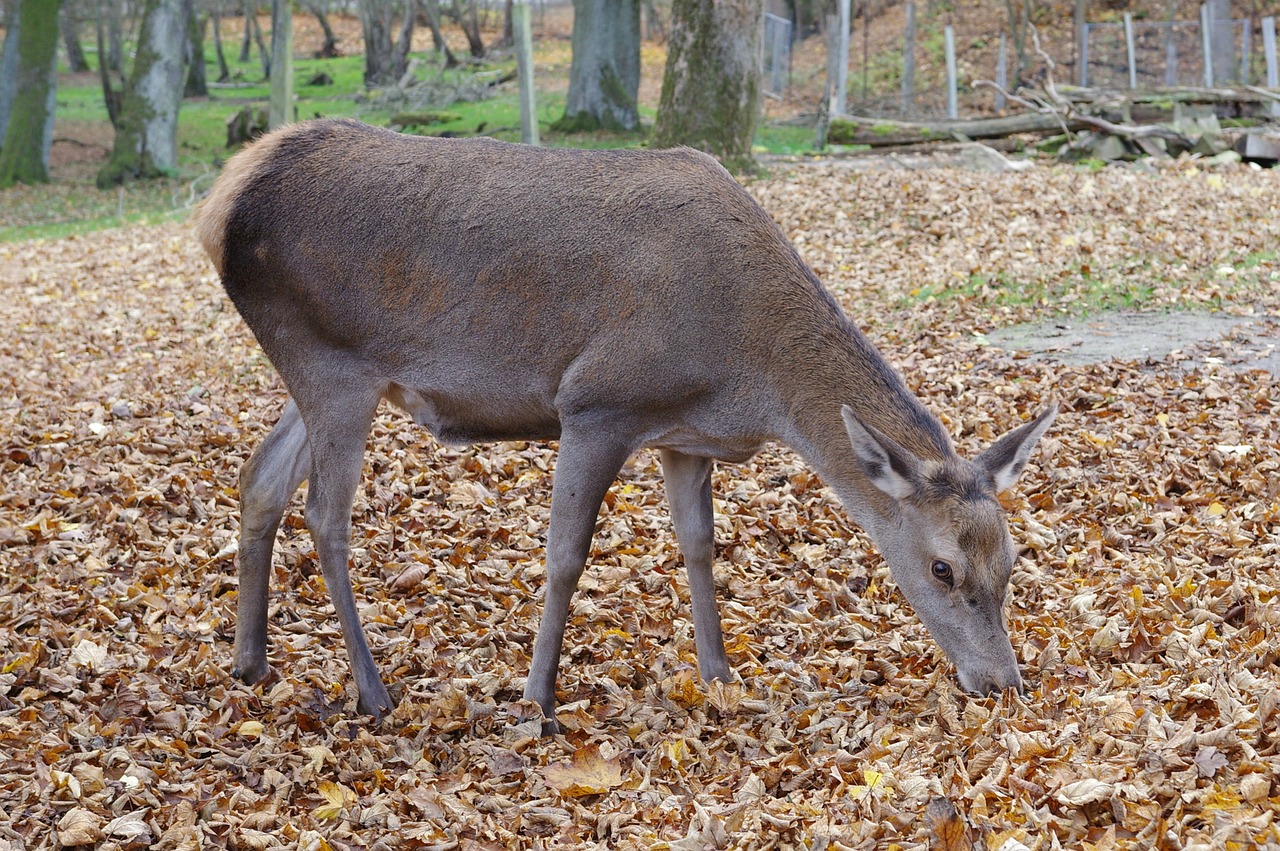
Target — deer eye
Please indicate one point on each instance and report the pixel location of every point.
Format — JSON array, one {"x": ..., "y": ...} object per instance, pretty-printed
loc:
[{"x": 941, "y": 571}]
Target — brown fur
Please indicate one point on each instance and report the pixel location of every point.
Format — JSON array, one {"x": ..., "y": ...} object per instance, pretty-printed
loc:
[{"x": 214, "y": 212}]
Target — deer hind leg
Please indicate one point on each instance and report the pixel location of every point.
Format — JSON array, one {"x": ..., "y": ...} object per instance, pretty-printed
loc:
[
  {"x": 688, "y": 481},
  {"x": 586, "y": 466},
  {"x": 338, "y": 423},
  {"x": 267, "y": 481}
]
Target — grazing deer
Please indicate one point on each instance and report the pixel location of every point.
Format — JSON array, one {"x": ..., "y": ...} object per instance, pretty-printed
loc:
[{"x": 611, "y": 299}]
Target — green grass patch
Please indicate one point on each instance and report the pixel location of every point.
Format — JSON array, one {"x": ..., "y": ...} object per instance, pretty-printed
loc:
[{"x": 1076, "y": 292}]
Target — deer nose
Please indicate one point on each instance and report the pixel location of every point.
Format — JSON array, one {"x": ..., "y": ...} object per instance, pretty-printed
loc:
[{"x": 990, "y": 682}]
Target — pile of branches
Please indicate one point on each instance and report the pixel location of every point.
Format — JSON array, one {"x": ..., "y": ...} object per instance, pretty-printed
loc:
[{"x": 1083, "y": 122}]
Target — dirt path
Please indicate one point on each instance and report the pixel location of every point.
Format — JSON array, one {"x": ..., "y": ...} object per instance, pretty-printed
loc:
[{"x": 1239, "y": 342}]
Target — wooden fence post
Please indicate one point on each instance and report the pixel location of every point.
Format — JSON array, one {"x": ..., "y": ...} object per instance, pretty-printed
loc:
[
  {"x": 1273, "y": 65},
  {"x": 842, "y": 59},
  {"x": 1082, "y": 43},
  {"x": 524, "y": 70},
  {"x": 953, "y": 109},
  {"x": 1002, "y": 71},
  {"x": 909, "y": 58},
  {"x": 281, "y": 107},
  {"x": 1205, "y": 43},
  {"x": 1128, "y": 50}
]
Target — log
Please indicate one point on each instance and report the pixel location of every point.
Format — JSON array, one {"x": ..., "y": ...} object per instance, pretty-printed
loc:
[{"x": 879, "y": 134}]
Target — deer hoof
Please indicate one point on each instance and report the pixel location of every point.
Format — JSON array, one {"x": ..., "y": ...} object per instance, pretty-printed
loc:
[
  {"x": 251, "y": 672},
  {"x": 379, "y": 704}
]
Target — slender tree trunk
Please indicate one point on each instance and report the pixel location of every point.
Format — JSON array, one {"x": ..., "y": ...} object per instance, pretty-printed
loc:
[
  {"x": 604, "y": 79},
  {"x": 224, "y": 71},
  {"x": 71, "y": 39},
  {"x": 146, "y": 143},
  {"x": 115, "y": 36},
  {"x": 246, "y": 43},
  {"x": 711, "y": 88},
  {"x": 264, "y": 55},
  {"x": 24, "y": 157},
  {"x": 431, "y": 8},
  {"x": 470, "y": 23},
  {"x": 328, "y": 50},
  {"x": 110, "y": 94},
  {"x": 400, "y": 52},
  {"x": 508, "y": 28},
  {"x": 197, "y": 77}
]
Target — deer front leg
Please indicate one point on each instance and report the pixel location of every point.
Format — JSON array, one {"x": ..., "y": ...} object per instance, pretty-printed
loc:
[
  {"x": 585, "y": 468},
  {"x": 267, "y": 481},
  {"x": 688, "y": 481}
]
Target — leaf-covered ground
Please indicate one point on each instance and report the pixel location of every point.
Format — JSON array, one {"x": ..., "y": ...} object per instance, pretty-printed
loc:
[{"x": 1144, "y": 605}]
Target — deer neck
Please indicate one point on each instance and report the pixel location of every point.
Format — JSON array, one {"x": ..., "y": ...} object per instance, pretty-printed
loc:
[{"x": 831, "y": 364}]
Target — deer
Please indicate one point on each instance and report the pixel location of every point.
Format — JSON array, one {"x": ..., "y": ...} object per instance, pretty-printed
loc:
[{"x": 612, "y": 300}]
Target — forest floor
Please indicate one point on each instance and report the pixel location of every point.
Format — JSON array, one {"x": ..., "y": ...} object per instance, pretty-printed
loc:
[{"x": 1143, "y": 605}]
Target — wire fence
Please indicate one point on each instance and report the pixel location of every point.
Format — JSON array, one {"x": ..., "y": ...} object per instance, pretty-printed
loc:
[
  {"x": 777, "y": 55},
  {"x": 1164, "y": 53},
  {"x": 1141, "y": 54}
]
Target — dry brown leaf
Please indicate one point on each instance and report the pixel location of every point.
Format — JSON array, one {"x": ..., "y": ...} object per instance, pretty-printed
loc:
[
  {"x": 80, "y": 826},
  {"x": 585, "y": 773},
  {"x": 950, "y": 831}
]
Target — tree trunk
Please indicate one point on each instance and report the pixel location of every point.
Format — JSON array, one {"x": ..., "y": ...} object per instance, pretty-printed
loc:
[
  {"x": 115, "y": 36},
  {"x": 8, "y": 65},
  {"x": 431, "y": 8},
  {"x": 71, "y": 39},
  {"x": 385, "y": 60},
  {"x": 711, "y": 87},
  {"x": 604, "y": 79},
  {"x": 24, "y": 157},
  {"x": 246, "y": 43},
  {"x": 110, "y": 94},
  {"x": 197, "y": 79},
  {"x": 469, "y": 20},
  {"x": 146, "y": 143},
  {"x": 224, "y": 72},
  {"x": 264, "y": 56},
  {"x": 328, "y": 50}
]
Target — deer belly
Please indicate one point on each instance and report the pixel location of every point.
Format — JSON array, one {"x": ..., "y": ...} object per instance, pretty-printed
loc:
[{"x": 459, "y": 422}]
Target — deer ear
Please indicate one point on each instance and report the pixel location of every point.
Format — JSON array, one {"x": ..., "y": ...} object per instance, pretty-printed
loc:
[
  {"x": 891, "y": 468},
  {"x": 1005, "y": 459}
]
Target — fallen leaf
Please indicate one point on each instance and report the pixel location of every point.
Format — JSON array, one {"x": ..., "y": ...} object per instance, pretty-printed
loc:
[{"x": 585, "y": 773}]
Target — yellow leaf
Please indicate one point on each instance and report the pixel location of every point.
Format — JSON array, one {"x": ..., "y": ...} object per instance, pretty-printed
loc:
[
  {"x": 1162, "y": 419},
  {"x": 1217, "y": 509},
  {"x": 250, "y": 729},
  {"x": 336, "y": 797},
  {"x": 585, "y": 773}
]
